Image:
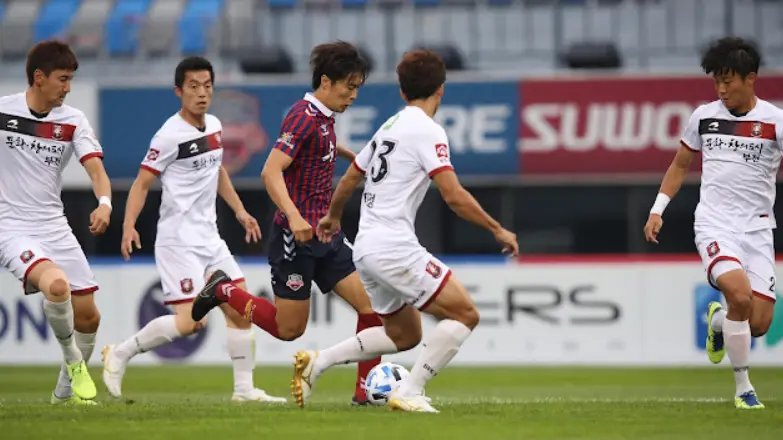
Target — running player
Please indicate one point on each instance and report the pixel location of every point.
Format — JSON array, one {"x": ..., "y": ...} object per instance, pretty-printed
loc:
[
  {"x": 187, "y": 153},
  {"x": 740, "y": 137},
  {"x": 299, "y": 176},
  {"x": 400, "y": 275},
  {"x": 37, "y": 245}
]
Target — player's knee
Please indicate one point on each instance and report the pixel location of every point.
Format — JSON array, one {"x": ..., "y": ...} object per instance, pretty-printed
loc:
[
  {"x": 404, "y": 338},
  {"x": 59, "y": 287},
  {"x": 290, "y": 332},
  {"x": 87, "y": 321},
  {"x": 739, "y": 300},
  {"x": 469, "y": 316},
  {"x": 759, "y": 329}
]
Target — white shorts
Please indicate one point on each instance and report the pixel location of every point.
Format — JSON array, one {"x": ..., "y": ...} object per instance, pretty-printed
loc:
[
  {"x": 184, "y": 270},
  {"x": 20, "y": 253},
  {"x": 753, "y": 252},
  {"x": 392, "y": 281}
]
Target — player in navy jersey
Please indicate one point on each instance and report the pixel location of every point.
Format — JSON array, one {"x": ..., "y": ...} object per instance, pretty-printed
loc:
[{"x": 298, "y": 174}]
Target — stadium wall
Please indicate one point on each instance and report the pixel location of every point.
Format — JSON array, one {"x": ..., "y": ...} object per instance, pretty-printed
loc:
[{"x": 617, "y": 310}]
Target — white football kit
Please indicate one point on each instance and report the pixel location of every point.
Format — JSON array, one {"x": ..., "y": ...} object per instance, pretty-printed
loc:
[
  {"x": 402, "y": 157},
  {"x": 188, "y": 246},
  {"x": 734, "y": 218},
  {"x": 33, "y": 154}
]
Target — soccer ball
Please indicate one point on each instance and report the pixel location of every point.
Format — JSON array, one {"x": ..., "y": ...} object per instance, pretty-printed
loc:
[{"x": 382, "y": 380}]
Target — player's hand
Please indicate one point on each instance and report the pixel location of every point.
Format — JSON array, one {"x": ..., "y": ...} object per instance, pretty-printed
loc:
[
  {"x": 327, "y": 227},
  {"x": 99, "y": 219},
  {"x": 653, "y": 227},
  {"x": 302, "y": 230},
  {"x": 508, "y": 240},
  {"x": 129, "y": 238},
  {"x": 252, "y": 230}
]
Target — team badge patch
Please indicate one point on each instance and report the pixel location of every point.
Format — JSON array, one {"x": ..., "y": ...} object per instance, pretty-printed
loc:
[
  {"x": 153, "y": 154},
  {"x": 756, "y": 131},
  {"x": 713, "y": 249},
  {"x": 442, "y": 150},
  {"x": 186, "y": 285},
  {"x": 295, "y": 282},
  {"x": 433, "y": 269},
  {"x": 57, "y": 132},
  {"x": 27, "y": 256}
]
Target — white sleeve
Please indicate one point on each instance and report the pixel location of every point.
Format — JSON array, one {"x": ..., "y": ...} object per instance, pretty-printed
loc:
[
  {"x": 85, "y": 143},
  {"x": 161, "y": 154},
  {"x": 691, "y": 138},
  {"x": 433, "y": 153},
  {"x": 362, "y": 160}
]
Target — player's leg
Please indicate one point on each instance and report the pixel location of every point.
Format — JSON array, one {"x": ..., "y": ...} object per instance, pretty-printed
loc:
[
  {"x": 26, "y": 260},
  {"x": 181, "y": 273},
  {"x": 240, "y": 338},
  {"x": 71, "y": 258},
  {"x": 721, "y": 254},
  {"x": 447, "y": 300},
  {"x": 761, "y": 272},
  {"x": 336, "y": 272}
]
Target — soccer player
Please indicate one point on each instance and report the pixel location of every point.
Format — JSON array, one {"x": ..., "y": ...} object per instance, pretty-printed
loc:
[
  {"x": 299, "y": 176},
  {"x": 398, "y": 272},
  {"x": 187, "y": 154},
  {"x": 740, "y": 137},
  {"x": 40, "y": 135}
]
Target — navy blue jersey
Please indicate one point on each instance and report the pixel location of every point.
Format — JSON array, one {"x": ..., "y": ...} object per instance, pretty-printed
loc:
[{"x": 308, "y": 136}]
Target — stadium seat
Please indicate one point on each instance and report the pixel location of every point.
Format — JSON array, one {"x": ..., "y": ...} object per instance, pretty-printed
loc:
[
  {"x": 124, "y": 25},
  {"x": 55, "y": 19},
  {"x": 2, "y": 11},
  {"x": 448, "y": 53},
  {"x": 281, "y": 4},
  {"x": 354, "y": 3},
  {"x": 16, "y": 30},
  {"x": 592, "y": 55},
  {"x": 426, "y": 3},
  {"x": 273, "y": 60},
  {"x": 239, "y": 33},
  {"x": 160, "y": 28},
  {"x": 86, "y": 32},
  {"x": 196, "y": 25}
]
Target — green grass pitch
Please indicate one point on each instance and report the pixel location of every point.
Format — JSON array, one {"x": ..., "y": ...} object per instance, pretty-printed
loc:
[{"x": 186, "y": 402}]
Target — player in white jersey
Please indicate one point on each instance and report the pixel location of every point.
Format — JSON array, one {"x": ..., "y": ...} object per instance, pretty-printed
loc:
[
  {"x": 398, "y": 272},
  {"x": 740, "y": 138},
  {"x": 187, "y": 154},
  {"x": 40, "y": 135}
]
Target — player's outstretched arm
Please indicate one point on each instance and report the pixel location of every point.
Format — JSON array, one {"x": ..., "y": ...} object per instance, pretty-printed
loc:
[
  {"x": 330, "y": 224},
  {"x": 672, "y": 181},
  {"x": 136, "y": 198},
  {"x": 465, "y": 205},
  {"x": 228, "y": 193},
  {"x": 101, "y": 186},
  {"x": 346, "y": 153}
]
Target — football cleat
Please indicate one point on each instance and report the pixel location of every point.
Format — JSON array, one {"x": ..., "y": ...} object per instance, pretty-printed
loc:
[
  {"x": 748, "y": 400},
  {"x": 714, "y": 344},
  {"x": 113, "y": 371},
  {"x": 414, "y": 403},
  {"x": 81, "y": 382},
  {"x": 71, "y": 400},
  {"x": 303, "y": 381},
  {"x": 257, "y": 395},
  {"x": 207, "y": 299}
]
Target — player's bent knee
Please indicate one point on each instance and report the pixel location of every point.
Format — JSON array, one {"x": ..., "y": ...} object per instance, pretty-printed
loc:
[
  {"x": 87, "y": 322},
  {"x": 469, "y": 316},
  {"x": 405, "y": 335},
  {"x": 58, "y": 287},
  {"x": 759, "y": 328},
  {"x": 290, "y": 332}
]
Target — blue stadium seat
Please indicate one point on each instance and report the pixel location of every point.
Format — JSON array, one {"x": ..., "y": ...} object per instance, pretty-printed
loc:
[
  {"x": 426, "y": 3},
  {"x": 54, "y": 19},
  {"x": 354, "y": 3},
  {"x": 196, "y": 21},
  {"x": 281, "y": 4},
  {"x": 2, "y": 10},
  {"x": 123, "y": 26}
]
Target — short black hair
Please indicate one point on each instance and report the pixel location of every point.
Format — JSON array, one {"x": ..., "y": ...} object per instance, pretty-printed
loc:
[
  {"x": 192, "y": 64},
  {"x": 48, "y": 56},
  {"x": 731, "y": 55},
  {"x": 420, "y": 73},
  {"x": 337, "y": 60}
]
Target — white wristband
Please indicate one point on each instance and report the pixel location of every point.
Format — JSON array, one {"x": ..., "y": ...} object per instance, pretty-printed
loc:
[
  {"x": 105, "y": 201},
  {"x": 660, "y": 204}
]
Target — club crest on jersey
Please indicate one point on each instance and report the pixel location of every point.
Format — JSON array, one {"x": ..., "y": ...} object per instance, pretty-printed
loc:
[
  {"x": 295, "y": 282},
  {"x": 153, "y": 154},
  {"x": 324, "y": 130},
  {"x": 713, "y": 249},
  {"x": 286, "y": 139},
  {"x": 219, "y": 138},
  {"x": 186, "y": 285},
  {"x": 57, "y": 132},
  {"x": 442, "y": 150},
  {"x": 756, "y": 131},
  {"x": 27, "y": 256},
  {"x": 433, "y": 269}
]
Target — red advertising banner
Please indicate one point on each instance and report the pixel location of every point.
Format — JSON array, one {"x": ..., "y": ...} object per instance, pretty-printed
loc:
[{"x": 614, "y": 125}]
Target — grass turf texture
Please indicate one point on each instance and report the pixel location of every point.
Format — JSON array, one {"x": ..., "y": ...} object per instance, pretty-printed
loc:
[{"x": 177, "y": 402}]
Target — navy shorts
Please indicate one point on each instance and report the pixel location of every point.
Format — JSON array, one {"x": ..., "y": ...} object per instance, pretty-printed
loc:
[{"x": 295, "y": 266}]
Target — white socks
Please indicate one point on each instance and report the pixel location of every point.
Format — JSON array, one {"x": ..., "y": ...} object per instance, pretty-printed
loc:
[
  {"x": 717, "y": 321},
  {"x": 242, "y": 349},
  {"x": 736, "y": 335},
  {"x": 438, "y": 351},
  {"x": 159, "y": 331},
  {"x": 85, "y": 342},
  {"x": 368, "y": 344},
  {"x": 60, "y": 317}
]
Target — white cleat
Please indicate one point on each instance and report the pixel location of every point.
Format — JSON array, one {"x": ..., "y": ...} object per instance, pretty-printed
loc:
[
  {"x": 113, "y": 371},
  {"x": 257, "y": 395},
  {"x": 304, "y": 379},
  {"x": 414, "y": 403}
]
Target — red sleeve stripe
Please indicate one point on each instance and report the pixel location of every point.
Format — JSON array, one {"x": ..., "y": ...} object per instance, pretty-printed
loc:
[
  {"x": 87, "y": 157},
  {"x": 151, "y": 170},
  {"x": 440, "y": 169},
  {"x": 358, "y": 168},
  {"x": 688, "y": 146}
]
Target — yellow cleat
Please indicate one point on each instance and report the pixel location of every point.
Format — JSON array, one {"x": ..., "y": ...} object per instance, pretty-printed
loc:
[
  {"x": 81, "y": 382},
  {"x": 716, "y": 350},
  {"x": 73, "y": 400},
  {"x": 303, "y": 381},
  {"x": 748, "y": 400}
]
